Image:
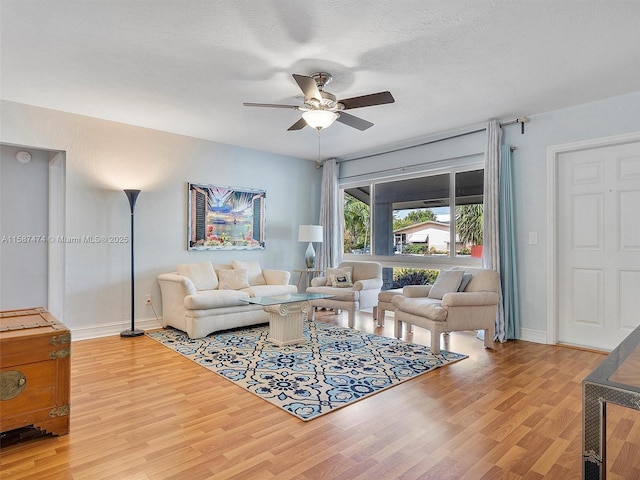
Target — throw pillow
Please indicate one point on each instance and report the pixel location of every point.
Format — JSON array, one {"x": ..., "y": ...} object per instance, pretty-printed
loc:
[
  {"x": 341, "y": 280},
  {"x": 466, "y": 278},
  {"x": 201, "y": 274},
  {"x": 254, "y": 271},
  {"x": 337, "y": 271},
  {"x": 448, "y": 281},
  {"x": 235, "y": 279}
]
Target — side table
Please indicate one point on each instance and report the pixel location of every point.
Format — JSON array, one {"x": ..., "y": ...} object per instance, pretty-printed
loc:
[{"x": 307, "y": 274}]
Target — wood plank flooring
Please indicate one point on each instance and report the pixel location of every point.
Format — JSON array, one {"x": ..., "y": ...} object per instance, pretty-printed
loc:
[{"x": 141, "y": 412}]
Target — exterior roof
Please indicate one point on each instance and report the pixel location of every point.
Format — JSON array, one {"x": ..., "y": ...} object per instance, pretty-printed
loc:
[{"x": 416, "y": 227}]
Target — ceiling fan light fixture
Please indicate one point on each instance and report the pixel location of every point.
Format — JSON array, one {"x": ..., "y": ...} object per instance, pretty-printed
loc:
[{"x": 319, "y": 119}]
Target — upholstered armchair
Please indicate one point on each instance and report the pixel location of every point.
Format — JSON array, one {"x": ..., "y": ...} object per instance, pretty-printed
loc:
[
  {"x": 354, "y": 286},
  {"x": 458, "y": 300}
]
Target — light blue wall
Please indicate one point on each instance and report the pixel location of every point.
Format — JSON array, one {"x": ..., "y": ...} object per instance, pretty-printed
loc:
[
  {"x": 98, "y": 276},
  {"x": 608, "y": 117},
  {"x": 398, "y": 162},
  {"x": 604, "y": 118},
  {"x": 23, "y": 229},
  {"x": 104, "y": 157}
]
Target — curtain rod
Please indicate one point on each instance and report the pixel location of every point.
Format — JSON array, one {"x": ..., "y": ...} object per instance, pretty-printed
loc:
[{"x": 521, "y": 120}]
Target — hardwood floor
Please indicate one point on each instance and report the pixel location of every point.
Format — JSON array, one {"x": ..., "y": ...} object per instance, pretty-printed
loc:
[{"x": 139, "y": 411}]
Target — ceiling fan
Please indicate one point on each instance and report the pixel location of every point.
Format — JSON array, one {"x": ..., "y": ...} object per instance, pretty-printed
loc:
[{"x": 320, "y": 108}]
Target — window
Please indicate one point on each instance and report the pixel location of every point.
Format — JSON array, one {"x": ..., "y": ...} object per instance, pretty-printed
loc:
[
  {"x": 417, "y": 217},
  {"x": 357, "y": 225}
]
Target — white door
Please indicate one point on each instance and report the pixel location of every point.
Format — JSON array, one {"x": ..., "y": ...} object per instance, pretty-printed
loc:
[{"x": 598, "y": 225}]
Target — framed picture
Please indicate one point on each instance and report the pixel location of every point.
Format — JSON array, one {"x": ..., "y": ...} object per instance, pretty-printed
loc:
[{"x": 225, "y": 218}]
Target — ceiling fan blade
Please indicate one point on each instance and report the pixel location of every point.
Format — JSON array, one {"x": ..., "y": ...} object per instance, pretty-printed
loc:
[
  {"x": 370, "y": 100},
  {"x": 271, "y": 105},
  {"x": 308, "y": 87},
  {"x": 353, "y": 121},
  {"x": 299, "y": 125}
]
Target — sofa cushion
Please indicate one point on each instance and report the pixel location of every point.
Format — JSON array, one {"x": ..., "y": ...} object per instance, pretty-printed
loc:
[
  {"x": 363, "y": 270},
  {"x": 387, "y": 295},
  {"x": 422, "y": 307},
  {"x": 234, "y": 279},
  {"x": 222, "y": 266},
  {"x": 276, "y": 277},
  {"x": 214, "y": 299},
  {"x": 254, "y": 271},
  {"x": 339, "y": 294},
  {"x": 466, "y": 278},
  {"x": 484, "y": 280},
  {"x": 202, "y": 275},
  {"x": 269, "y": 290},
  {"x": 332, "y": 272},
  {"x": 448, "y": 281}
]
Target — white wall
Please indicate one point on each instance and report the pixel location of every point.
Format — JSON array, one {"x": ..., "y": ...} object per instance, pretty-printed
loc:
[
  {"x": 102, "y": 158},
  {"x": 23, "y": 229}
]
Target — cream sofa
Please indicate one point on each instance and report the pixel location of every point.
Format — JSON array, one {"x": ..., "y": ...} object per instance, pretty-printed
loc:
[
  {"x": 201, "y": 298},
  {"x": 460, "y": 299}
]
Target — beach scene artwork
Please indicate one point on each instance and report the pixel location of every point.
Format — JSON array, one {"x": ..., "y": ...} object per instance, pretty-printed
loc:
[{"x": 225, "y": 218}]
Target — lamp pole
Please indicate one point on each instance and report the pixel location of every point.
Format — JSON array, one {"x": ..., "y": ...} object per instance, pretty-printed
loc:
[{"x": 132, "y": 195}]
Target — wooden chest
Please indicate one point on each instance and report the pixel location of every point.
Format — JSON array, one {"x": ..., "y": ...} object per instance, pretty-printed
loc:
[{"x": 35, "y": 351}]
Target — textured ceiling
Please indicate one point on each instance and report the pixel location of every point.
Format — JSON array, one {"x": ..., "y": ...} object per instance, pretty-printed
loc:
[{"x": 187, "y": 66}]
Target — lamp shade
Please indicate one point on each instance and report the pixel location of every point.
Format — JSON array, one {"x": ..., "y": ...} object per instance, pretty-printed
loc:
[
  {"x": 319, "y": 119},
  {"x": 310, "y": 233},
  {"x": 132, "y": 195}
]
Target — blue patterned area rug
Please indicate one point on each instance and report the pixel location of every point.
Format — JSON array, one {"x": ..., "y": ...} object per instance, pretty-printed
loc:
[{"x": 332, "y": 368}]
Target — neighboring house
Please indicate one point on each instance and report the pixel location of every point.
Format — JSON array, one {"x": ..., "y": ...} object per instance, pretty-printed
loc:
[{"x": 432, "y": 234}]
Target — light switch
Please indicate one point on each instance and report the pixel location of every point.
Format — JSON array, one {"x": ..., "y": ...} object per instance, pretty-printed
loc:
[{"x": 533, "y": 238}]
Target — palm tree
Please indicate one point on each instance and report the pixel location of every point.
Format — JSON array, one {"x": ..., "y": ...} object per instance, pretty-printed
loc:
[
  {"x": 469, "y": 223},
  {"x": 356, "y": 221},
  {"x": 415, "y": 216}
]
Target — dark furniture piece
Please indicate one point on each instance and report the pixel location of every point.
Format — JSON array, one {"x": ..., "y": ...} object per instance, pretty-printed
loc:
[{"x": 616, "y": 380}]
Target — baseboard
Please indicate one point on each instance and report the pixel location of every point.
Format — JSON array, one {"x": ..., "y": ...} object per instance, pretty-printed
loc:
[
  {"x": 535, "y": 336},
  {"x": 108, "y": 329},
  {"x": 105, "y": 330}
]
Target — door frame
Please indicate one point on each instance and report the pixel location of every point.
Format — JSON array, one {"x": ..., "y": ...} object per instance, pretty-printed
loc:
[
  {"x": 56, "y": 232},
  {"x": 553, "y": 154}
]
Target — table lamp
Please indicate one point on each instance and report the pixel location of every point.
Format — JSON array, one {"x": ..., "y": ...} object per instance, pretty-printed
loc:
[{"x": 310, "y": 233}]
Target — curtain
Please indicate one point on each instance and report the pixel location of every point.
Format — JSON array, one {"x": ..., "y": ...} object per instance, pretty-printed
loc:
[
  {"x": 508, "y": 270},
  {"x": 331, "y": 218},
  {"x": 491, "y": 250}
]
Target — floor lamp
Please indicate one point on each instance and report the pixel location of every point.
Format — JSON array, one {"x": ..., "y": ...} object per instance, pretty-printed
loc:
[{"x": 132, "y": 195}]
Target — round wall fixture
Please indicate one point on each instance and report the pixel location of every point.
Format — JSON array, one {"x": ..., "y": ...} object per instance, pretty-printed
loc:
[{"x": 23, "y": 157}]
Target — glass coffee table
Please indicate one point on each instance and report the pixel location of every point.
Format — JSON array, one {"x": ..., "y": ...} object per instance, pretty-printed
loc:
[
  {"x": 286, "y": 313},
  {"x": 617, "y": 381}
]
